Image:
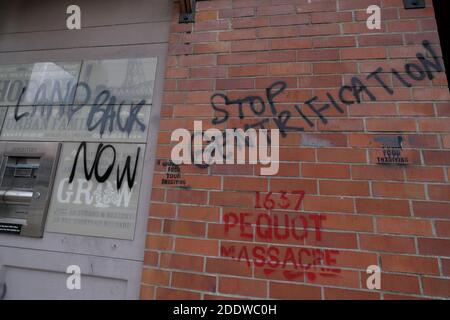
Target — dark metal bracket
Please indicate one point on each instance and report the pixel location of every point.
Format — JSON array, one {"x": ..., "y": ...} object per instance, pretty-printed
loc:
[
  {"x": 187, "y": 11},
  {"x": 414, "y": 4}
]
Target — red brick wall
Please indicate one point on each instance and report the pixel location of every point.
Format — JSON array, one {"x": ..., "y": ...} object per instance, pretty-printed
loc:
[{"x": 205, "y": 239}]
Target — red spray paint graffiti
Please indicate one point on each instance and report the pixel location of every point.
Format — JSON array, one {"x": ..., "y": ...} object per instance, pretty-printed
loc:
[{"x": 292, "y": 262}]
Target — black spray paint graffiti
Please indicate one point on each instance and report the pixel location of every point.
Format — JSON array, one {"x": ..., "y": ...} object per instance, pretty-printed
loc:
[
  {"x": 104, "y": 113},
  {"x": 94, "y": 170},
  {"x": 392, "y": 151},
  {"x": 240, "y": 141},
  {"x": 348, "y": 95},
  {"x": 173, "y": 174}
]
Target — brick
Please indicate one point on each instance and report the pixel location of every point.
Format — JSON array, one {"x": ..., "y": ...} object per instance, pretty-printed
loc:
[
  {"x": 158, "y": 242},
  {"x": 197, "y": 246},
  {"x": 333, "y": 42},
  {"x": 214, "y": 5},
  {"x": 243, "y": 287},
  {"x": 342, "y": 125},
  {"x": 409, "y": 264},
  {"x": 390, "y": 124},
  {"x": 404, "y": 226},
  {"x": 319, "y": 29},
  {"x": 282, "y": 44},
  {"x": 318, "y": 55},
  {"x": 429, "y": 174},
  {"x": 293, "y": 292},
  {"x": 341, "y": 155},
  {"x": 288, "y": 20},
  {"x": 155, "y": 277},
  {"x": 436, "y": 287},
  {"x": 206, "y": 15},
  {"x": 346, "y": 278},
  {"x": 435, "y": 247},
  {"x": 362, "y": 53},
  {"x": 283, "y": 184},
  {"x": 231, "y": 199},
  {"x": 396, "y": 283},
  {"x": 387, "y": 243},
  {"x": 300, "y": 154},
  {"x": 193, "y": 281},
  {"x": 345, "y": 188},
  {"x": 190, "y": 85},
  {"x": 154, "y": 225},
  {"x": 398, "y": 190},
  {"x": 198, "y": 213},
  {"x": 332, "y": 171},
  {"x": 348, "y": 222},
  {"x": 439, "y": 192},
  {"x": 323, "y": 140},
  {"x": 184, "y": 228},
  {"x": 328, "y": 204},
  {"x": 176, "y": 73},
  {"x": 434, "y": 125},
  {"x": 147, "y": 292},
  {"x": 275, "y": 10},
  {"x": 227, "y": 267},
  {"x": 249, "y": 45},
  {"x": 256, "y": 70},
  {"x": 162, "y": 210},
  {"x": 202, "y": 181},
  {"x": 213, "y": 47},
  {"x": 157, "y": 194},
  {"x": 431, "y": 209},
  {"x": 376, "y": 172},
  {"x": 446, "y": 267},
  {"x": 356, "y": 259},
  {"x": 416, "y": 109},
  {"x": 151, "y": 258},
  {"x": 211, "y": 25},
  {"x": 382, "y": 207},
  {"x": 344, "y": 294},
  {"x": 318, "y": 7},
  {"x": 181, "y": 262},
  {"x": 431, "y": 94},
  {"x": 245, "y": 184},
  {"x": 250, "y": 23},
  {"x": 236, "y": 13},
  {"x": 333, "y": 240},
  {"x": 237, "y": 35},
  {"x": 331, "y": 17},
  {"x": 281, "y": 69},
  {"x": 186, "y": 196},
  {"x": 380, "y": 40},
  {"x": 172, "y": 294},
  {"x": 391, "y": 296},
  {"x": 443, "y": 228},
  {"x": 435, "y": 157},
  {"x": 278, "y": 32},
  {"x": 334, "y": 67}
]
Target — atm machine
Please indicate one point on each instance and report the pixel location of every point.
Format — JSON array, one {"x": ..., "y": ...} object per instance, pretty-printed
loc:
[{"x": 27, "y": 172}]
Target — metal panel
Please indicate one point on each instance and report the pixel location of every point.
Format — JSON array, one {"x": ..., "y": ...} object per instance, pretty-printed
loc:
[
  {"x": 89, "y": 197},
  {"x": 3, "y": 111},
  {"x": 117, "y": 35},
  {"x": 127, "y": 123},
  {"x": 46, "y": 15},
  {"x": 125, "y": 249},
  {"x": 31, "y": 274},
  {"x": 117, "y": 81},
  {"x": 41, "y": 83}
]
